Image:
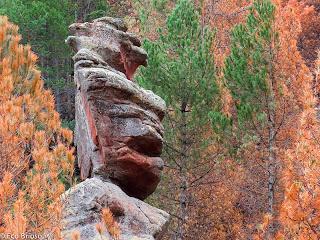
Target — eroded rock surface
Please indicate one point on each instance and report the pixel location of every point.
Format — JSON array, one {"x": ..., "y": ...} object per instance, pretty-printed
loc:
[
  {"x": 108, "y": 38},
  {"x": 83, "y": 205},
  {"x": 118, "y": 134}
]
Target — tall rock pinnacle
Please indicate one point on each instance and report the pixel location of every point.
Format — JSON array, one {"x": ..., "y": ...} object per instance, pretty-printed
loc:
[
  {"x": 118, "y": 133},
  {"x": 118, "y": 124}
]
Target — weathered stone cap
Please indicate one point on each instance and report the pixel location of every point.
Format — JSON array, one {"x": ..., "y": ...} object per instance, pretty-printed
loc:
[{"x": 108, "y": 38}]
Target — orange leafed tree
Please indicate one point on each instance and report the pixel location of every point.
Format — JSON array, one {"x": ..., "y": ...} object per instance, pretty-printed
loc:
[
  {"x": 300, "y": 210},
  {"x": 299, "y": 213},
  {"x": 235, "y": 205},
  {"x": 309, "y": 38},
  {"x": 282, "y": 102},
  {"x": 36, "y": 159}
]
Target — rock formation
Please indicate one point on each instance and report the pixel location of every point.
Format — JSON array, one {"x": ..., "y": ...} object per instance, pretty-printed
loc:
[
  {"x": 118, "y": 134},
  {"x": 137, "y": 219}
]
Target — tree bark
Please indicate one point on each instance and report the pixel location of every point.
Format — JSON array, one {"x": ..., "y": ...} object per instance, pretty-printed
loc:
[
  {"x": 272, "y": 161},
  {"x": 272, "y": 158},
  {"x": 183, "y": 201},
  {"x": 271, "y": 169}
]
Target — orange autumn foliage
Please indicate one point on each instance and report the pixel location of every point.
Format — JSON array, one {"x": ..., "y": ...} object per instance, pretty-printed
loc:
[
  {"x": 215, "y": 214},
  {"x": 108, "y": 224},
  {"x": 75, "y": 235},
  {"x": 233, "y": 207},
  {"x": 300, "y": 210},
  {"x": 309, "y": 41},
  {"x": 36, "y": 158},
  {"x": 297, "y": 214},
  {"x": 293, "y": 95}
]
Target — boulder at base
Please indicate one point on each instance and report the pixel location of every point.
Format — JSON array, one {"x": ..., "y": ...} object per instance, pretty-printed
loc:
[{"x": 82, "y": 211}]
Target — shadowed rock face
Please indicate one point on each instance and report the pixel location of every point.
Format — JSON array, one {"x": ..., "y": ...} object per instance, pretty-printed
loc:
[{"x": 118, "y": 134}]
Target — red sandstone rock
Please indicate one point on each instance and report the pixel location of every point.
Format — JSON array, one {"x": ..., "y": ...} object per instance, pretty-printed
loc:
[
  {"x": 107, "y": 37},
  {"x": 119, "y": 135}
]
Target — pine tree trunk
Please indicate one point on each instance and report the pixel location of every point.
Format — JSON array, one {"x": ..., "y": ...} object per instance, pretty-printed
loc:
[
  {"x": 272, "y": 159},
  {"x": 272, "y": 164},
  {"x": 271, "y": 169},
  {"x": 183, "y": 175}
]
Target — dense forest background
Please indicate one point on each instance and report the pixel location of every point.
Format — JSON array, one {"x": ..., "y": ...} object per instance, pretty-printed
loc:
[{"x": 241, "y": 81}]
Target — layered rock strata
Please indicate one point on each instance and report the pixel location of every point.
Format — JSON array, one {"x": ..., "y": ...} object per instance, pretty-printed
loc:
[{"x": 118, "y": 133}]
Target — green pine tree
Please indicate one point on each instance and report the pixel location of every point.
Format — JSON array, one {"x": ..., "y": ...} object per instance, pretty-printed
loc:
[
  {"x": 182, "y": 71},
  {"x": 248, "y": 68},
  {"x": 249, "y": 74}
]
